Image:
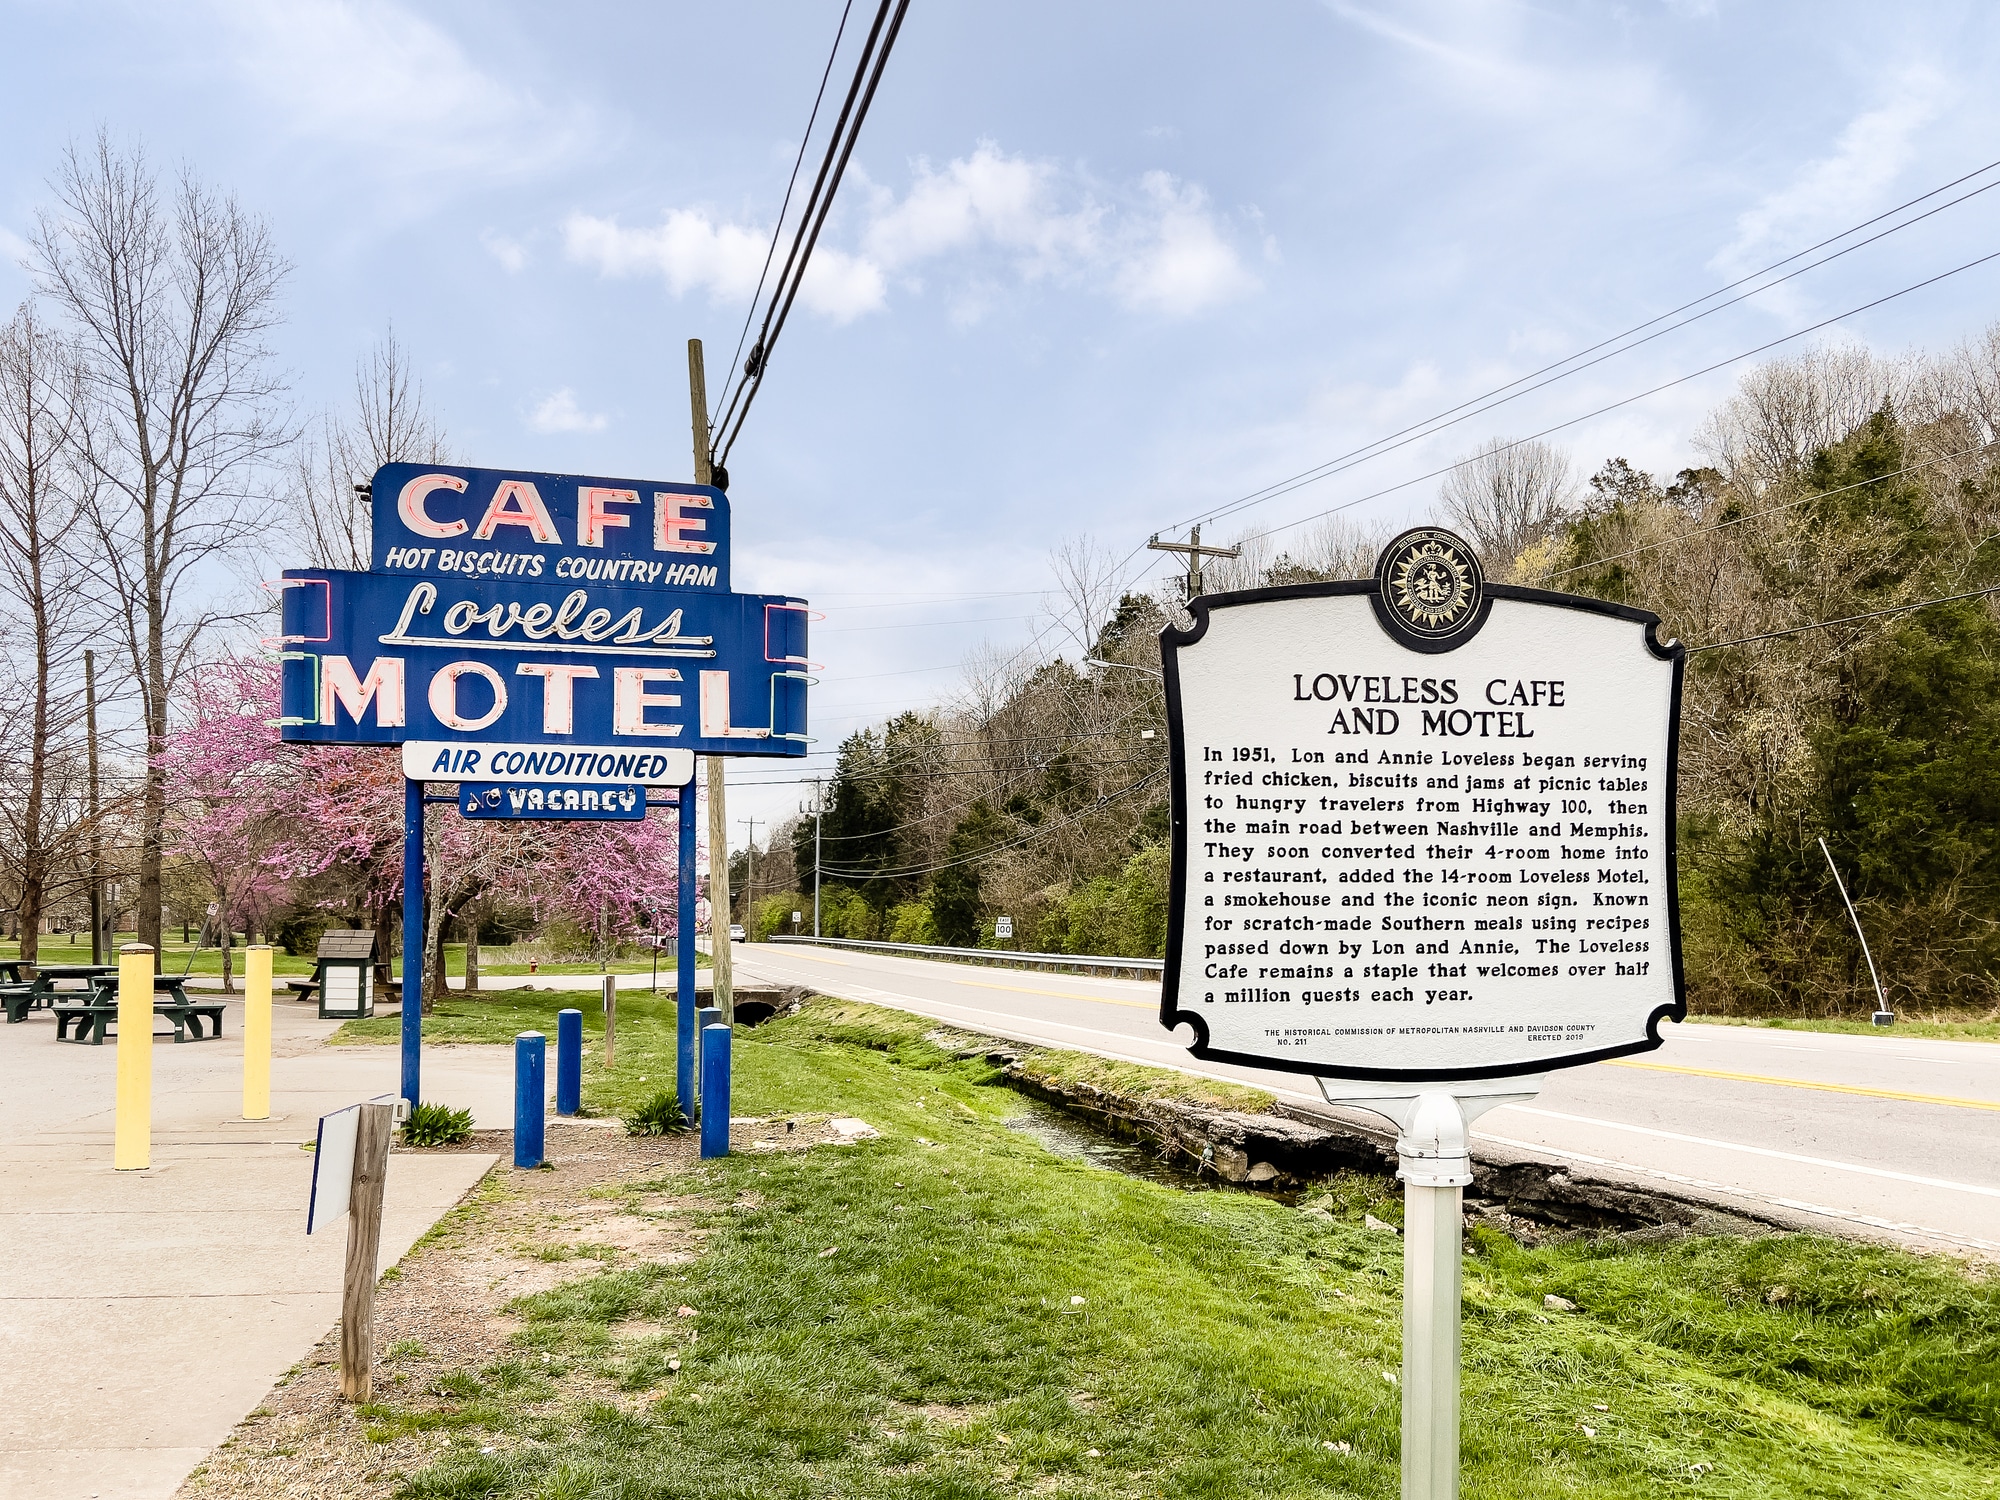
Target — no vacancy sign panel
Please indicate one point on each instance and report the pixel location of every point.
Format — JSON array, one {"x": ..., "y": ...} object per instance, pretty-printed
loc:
[{"x": 1423, "y": 824}]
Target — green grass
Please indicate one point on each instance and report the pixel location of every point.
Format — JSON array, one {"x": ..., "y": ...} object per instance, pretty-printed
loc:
[
  {"x": 1947, "y": 1029},
  {"x": 1222, "y": 1343}
]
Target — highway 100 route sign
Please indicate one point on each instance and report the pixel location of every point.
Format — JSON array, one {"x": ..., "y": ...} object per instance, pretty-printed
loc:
[{"x": 1423, "y": 824}]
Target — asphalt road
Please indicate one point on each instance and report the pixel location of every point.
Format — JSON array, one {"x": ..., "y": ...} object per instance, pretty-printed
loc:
[{"x": 1891, "y": 1133}]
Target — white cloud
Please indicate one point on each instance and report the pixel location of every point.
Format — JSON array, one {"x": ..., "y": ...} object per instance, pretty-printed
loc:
[
  {"x": 1825, "y": 194},
  {"x": 1513, "y": 64},
  {"x": 559, "y": 412},
  {"x": 688, "y": 250},
  {"x": 14, "y": 251},
  {"x": 511, "y": 253},
  {"x": 985, "y": 219},
  {"x": 375, "y": 74},
  {"x": 988, "y": 197},
  {"x": 1183, "y": 265}
]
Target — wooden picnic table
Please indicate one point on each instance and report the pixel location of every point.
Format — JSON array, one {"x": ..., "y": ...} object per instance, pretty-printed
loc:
[
  {"x": 18, "y": 995},
  {"x": 92, "y": 1016},
  {"x": 75, "y": 971}
]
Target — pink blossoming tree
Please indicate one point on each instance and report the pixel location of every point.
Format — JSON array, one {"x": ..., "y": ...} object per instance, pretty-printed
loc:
[{"x": 274, "y": 825}]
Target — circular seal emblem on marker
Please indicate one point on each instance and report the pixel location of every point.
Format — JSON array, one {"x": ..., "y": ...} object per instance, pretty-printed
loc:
[{"x": 1429, "y": 591}]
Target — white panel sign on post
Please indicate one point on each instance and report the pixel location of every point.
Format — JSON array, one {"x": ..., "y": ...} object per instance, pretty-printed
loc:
[{"x": 1423, "y": 844}]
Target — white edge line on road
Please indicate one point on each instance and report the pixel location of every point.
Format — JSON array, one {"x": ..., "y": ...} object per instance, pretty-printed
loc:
[
  {"x": 1697, "y": 1140},
  {"x": 1846, "y": 1215}
]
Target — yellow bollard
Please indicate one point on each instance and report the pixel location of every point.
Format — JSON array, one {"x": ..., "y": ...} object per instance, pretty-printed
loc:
[
  {"x": 257, "y": 1032},
  {"x": 132, "y": 1136}
]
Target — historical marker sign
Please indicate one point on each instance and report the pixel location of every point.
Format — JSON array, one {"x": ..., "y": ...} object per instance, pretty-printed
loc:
[{"x": 1423, "y": 825}]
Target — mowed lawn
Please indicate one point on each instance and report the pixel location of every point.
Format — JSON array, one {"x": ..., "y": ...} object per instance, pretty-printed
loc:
[{"x": 952, "y": 1311}]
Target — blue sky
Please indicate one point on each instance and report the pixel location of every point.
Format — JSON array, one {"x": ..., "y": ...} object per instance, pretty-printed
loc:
[{"x": 1096, "y": 268}]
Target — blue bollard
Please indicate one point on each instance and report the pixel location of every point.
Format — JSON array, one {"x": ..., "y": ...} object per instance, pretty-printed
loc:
[
  {"x": 704, "y": 1018},
  {"x": 714, "y": 1090},
  {"x": 569, "y": 1061},
  {"x": 531, "y": 1050}
]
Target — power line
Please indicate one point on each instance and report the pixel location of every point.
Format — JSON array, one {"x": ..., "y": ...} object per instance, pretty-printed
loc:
[
  {"x": 840, "y": 146},
  {"x": 778, "y": 229},
  {"x": 1630, "y": 400},
  {"x": 1103, "y": 801},
  {"x": 1873, "y": 614},
  {"x": 1755, "y": 515},
  {"x": 1359, "y": 455}
]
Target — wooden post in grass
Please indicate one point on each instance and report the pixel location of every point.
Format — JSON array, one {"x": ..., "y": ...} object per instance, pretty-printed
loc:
[
  {"x": 611, "y": 1015},
  {"x": 364, "y": 1247}
]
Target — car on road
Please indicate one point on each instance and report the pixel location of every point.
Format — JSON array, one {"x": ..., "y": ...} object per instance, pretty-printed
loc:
[{"x": 736, "y": 932}]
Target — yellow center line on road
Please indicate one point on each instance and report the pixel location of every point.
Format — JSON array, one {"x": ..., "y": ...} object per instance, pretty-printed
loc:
[
  {"x": 1807, "y": 1083},
  {"x": 1019, "y": 989}
]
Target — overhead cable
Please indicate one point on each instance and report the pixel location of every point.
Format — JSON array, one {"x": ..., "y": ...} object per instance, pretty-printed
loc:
[
  {"x": 778, "y": 229},
  {"x": 1873, "y": 614},
  {"x": 1499, "y": 396},
  {"x": 1103, "y": 801},
  {"x": 1665, "y": 385},
  {"x": 840, "y": 146},
  {"x": 1792, "y": 504}
]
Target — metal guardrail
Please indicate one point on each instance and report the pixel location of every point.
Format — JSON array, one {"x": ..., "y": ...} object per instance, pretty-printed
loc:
[{"x": 1006, "y": 957}]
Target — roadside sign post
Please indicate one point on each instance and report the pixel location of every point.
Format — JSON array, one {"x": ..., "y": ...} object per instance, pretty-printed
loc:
[
  {"x": 611, "y": 1008},
  {"x": 350, "y": 1172},
  {"x": 553, "y": 645},
  {"x": 685, "y": 1000},
  {"x": 411, "y": 1024},
  {"x": 1423, "y": 840}
]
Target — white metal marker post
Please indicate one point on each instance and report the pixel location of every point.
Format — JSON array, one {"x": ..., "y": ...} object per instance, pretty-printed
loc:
[
  {"x": 1423, "y": 852},
  {"x": 1435, "y": 1164}
]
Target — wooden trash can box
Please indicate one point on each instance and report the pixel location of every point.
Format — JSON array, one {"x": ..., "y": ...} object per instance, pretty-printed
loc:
[{"x": 346, "y": 973}]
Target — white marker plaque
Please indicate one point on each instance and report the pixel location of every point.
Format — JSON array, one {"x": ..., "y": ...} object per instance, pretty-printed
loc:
[{"x": 1423, "y": 825}]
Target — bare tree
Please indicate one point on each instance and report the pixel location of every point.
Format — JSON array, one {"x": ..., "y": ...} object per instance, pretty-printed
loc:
[
  {"x": 389, "y": 423},
  {"x": 1086, "y": 590},
  {"x": 1784, "y": 412},
  {"x": 171, "y": 295},
  {"x": 1508, "y": 496},
  {"x": 43, "y": 492}
]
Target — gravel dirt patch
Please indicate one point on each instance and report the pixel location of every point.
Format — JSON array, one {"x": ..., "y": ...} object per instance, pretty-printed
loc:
[{"x": 441, "y": 1325}]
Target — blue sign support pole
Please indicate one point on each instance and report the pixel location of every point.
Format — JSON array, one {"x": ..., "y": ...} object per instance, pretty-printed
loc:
[
  {"x": 684, "y": 953},
  {"x": 413, "y": 938}
]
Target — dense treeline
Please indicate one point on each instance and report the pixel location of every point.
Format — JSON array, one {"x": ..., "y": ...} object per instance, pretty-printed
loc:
[{"x": 1836, "y": 485}]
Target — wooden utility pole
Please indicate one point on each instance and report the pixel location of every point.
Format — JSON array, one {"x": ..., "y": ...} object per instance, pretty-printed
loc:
[
  {"x": 1195, "y": 553},
  {"x": 718, "y": 812},
  {"x": 750, "y": 874},
  {"x": 364, "y": 1247},
  {"x": 97, "y": 939}
]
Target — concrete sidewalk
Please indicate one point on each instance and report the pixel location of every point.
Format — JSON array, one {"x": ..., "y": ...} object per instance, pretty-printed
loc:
[{"x": 143, "y": 1314}]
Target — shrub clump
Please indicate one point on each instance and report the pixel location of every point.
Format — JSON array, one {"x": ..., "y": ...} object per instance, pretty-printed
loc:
[
  {"x": 659, "y": 1114},
  {"x": 437, "y": 1125}
]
